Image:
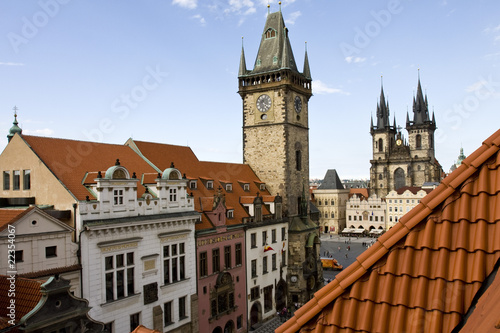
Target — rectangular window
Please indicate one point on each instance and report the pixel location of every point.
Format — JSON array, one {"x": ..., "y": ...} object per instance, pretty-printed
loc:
[
  {"x": 19, "y": 256},
  {"x": 51, "y": 251},
  {"x": 182, "y": 308},
  {"x": 264, "y": 265},
  {"x": 192, "y": 184},
  {"x": 203, "y": 264},
  {"x": 215, "y": 261},
  {"x": 273, "y": 236},
  {"x": 173, "y": 194},
  {"x": 26, "y": 179},
  {"x": 118, "y": 197},
  {"x": 238, "y": 255},
  {"x": 254, "y": 268},
  {"x": 268, "y": 298},
  {"x": 283, "y": 233},
  {"x": 119, "y": 276},
  {"x": 264, "y": 238},
  {"x": 253, "y": 240},
  {"x": 227, "y": 256},
  {"x": 6, "y": 180},
  {"x": 16, "y": 181},
  {"x": 239, "y": 322},
  {"x": 210, "y": 184},
  {"x": 108, "y": 327},
  {"x": 283, "y": 258},
  {"x": 134, "y": 321},
  {"x": 174, "y": 263},
  {"x": 167, "y": 313},
  {"x": 254, "y": 293},
  {"x": 273, "y": 259}
]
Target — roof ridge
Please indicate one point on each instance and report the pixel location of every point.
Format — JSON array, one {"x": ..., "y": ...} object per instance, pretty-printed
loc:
[{"x": 364, "y": 261}]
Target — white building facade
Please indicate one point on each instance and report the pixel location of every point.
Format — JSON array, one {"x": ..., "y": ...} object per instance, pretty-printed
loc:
[
  {"x": 366, "y": 214},
  {"x": 401, "y": 201},
  {"x": 138, "y": 255}
]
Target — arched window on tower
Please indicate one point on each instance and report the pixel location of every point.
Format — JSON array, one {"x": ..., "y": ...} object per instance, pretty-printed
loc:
[
  {"x": 418, "y": 141},
  {"x": 298, "y": 160},
  {"x": 380, "y": 145},
  {"x": 399, "y": 178}
]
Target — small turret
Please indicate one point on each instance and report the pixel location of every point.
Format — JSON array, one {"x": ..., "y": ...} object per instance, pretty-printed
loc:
[
  {"x": 14, "y": 129},
  {"x": 243, "y": 64}
]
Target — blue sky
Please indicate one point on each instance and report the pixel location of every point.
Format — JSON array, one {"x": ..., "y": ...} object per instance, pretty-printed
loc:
[{"x": 166, "y": 71}]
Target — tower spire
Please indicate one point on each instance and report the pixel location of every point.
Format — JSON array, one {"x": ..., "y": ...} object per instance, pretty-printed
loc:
[
  {"x": 307, "y": 70},
  {"x": 243, "y": 65}
]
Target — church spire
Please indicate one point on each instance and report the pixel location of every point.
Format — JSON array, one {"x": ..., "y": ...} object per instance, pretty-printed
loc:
[
  {"x": 307, "y": 70},
  {"x": 243, "y": 64},
  {"x": 420, "y": 109},
  {"x": 382, "y": 111},
  {"x": 14, "y": 129}
]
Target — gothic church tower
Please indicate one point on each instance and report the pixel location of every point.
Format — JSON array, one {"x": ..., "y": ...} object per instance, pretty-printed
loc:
[
  {"x": 397, "y": 162},
  {"x": 275, "y": 115}
]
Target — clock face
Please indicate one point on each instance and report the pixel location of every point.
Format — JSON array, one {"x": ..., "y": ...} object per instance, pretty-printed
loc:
[
  {"x": 263, "y": 103},
  {"x": 298, "y": 104},
  {"x": 399, "y": 142}
]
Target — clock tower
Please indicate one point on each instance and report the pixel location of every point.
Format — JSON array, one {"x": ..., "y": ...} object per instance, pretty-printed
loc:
[{"x": 275, "y": 115}]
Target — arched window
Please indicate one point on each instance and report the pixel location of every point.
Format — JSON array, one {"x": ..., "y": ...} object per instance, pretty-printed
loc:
[
  {"x": 418, "y": 141},
  {"x": 399, "y": 178}
]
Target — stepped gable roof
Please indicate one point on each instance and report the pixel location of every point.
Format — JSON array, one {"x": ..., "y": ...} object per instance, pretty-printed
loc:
[
  {"x": 160, "y": 156},
  {"x": 70, "y": 160},
  {"x": 422, "y": 275},
  {"x": 27, "y": 297},
  {"x": 331, "y": 181}
]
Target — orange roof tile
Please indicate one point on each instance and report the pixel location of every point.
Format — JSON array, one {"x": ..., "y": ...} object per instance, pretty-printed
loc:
[
  {"x": 27, "y": 296},
  {"x": 51, "y": 271},
  {"x": 423, "y": 274},
  {"x": 161, "y": 155},
  {"x": 361, "y": 191},
  {"x": 142, "y": 329},
  {"x": 9, "y": 215},
  {"x": 412, "y": 189},
  {"x": 70, "y": 160}
]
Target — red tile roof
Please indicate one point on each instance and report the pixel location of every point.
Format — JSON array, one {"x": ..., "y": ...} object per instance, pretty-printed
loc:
[
  {"x": 412, "y": 189},
  {"x": 9, "y": 215},
  {"x": 27, "y": 296},
  {"x": 422, "y": 274},
  {"x": 162, "y": 155},
  {"x": 363, "y": 192},
  {"x": 70, "y": 160},
  {"x": 142, "y": 329},
  {"x": 51, "y": 271}
]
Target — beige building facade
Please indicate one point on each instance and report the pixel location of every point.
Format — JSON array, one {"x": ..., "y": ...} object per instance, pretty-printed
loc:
[{"x": 401, "y": 202}]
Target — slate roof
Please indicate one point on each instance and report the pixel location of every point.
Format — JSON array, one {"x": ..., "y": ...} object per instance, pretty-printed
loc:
[
  {"x": 423, "y": 274},
  {"x": 331, "y": 181},
  {"x": 27, "y": 296}
]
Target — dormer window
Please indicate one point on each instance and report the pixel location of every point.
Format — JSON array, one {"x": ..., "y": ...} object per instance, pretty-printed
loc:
[
  {"x": 262, "y": 187},
  {"x": 210, "y": 184},
  {"x": 118, "y": 197},
  {"x": 230, "y": 213},
  {"x": 270, "y": 33},
  {"x": 246, "y": 187},
  {"x": 229, "y": 187},
  {"x": 173, "y": 194},
  {"x": 193, "y": 185}
]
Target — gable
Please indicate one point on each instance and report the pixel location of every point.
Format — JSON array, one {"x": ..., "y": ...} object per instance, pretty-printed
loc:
[{"x": 36, "y": 221}]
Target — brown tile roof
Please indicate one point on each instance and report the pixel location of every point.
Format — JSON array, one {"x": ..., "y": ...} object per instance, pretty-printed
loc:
[
  {"x": 422, "y": 274},
  {"x": 8, "y": 215},
  {"x": 360, "y": 191},
  {"x": 162, "y": 155},
  {"x": 486, "y": 313},
  {"x": 51, "y": 271},
  {"x": 142, "y": 329},
  {"x": 412, "y": 189},
  {"x": 70, "y": 160},
  {"x": 27, "y": 296}
]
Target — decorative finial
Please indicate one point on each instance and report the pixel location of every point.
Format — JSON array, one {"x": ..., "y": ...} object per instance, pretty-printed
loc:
[
  {"x": 172, "y": 165},
  {"x": 117, "y": 161},
  {"x": 279, "y": 3},
  {"x": 306, "y": 46},
  {"x": 268, "y": 8}
]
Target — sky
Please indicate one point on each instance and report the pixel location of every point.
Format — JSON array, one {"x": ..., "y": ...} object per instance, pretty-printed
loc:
[{"x": 166, "y": 71}]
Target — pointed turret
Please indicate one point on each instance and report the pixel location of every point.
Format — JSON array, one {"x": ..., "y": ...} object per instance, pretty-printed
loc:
[
  {"x": 371, "y": 123},
  {"x": 14, "y": 129},
  {"x": 420, "y": 110},
  {"x": 243, "y": 64},
  {"x": 307, "y": 70},
  {"x": 382, "y": 111},
  {"x": 407, "y": 119}
]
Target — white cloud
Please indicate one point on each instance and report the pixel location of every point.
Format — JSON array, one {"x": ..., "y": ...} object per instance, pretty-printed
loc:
[
  {"x": 321, "y": 88},
  {"x": 189, "y": 4},
  {"x": 11, "y": 64},
  {"x": 237, "y": 6},
  {"x": 494, "y": 29},
  {"x": 200, "y": 18},
  {"x": 355, "y": 60},
  {"x": 292, "y": 17},
  {"x": 42, "y": 131}
]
